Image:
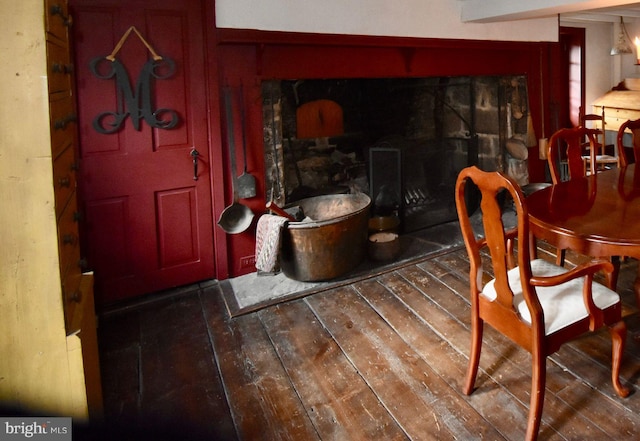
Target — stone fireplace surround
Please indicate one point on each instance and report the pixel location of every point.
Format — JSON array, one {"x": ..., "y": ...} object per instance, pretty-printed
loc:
[
  {"x": 402, "y": 140},
  {"x": 251, "y": 59}
]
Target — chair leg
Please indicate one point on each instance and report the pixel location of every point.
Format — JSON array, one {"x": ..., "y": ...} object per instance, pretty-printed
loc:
[
  {"x": 618, "y": 338},
  {"x": 560, "y": 255},
  {"x": 474, "y": 356},
  {"x": 538, "y": 384}
]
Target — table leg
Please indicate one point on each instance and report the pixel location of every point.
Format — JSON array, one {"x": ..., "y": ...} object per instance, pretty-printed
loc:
[
  {"x": 636, "y": 287},
  {"x": 636, "y": 290},
  {"x": 612, "y": 279}
]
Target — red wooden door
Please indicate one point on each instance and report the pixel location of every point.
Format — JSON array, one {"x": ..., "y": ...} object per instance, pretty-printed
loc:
[{"x": 148, "y": 221}]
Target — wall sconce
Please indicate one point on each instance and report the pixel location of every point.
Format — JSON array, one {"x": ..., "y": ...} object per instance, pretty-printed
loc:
[
  {"x": 623, "y": 42},
  {"x": 637, "y": 43}
]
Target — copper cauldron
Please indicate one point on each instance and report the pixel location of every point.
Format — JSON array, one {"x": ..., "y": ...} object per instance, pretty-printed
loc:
[{"x": 332, "y": 243}]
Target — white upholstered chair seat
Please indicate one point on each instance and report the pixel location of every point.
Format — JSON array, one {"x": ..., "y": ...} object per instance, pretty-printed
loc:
[
  {"x": 608, "y": 159},
  {"x": 562, "y": 304},
  {"x": 601, "y": 160}
]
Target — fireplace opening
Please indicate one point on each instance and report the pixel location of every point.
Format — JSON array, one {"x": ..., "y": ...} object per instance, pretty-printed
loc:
[{"x": 402, "y": 141}]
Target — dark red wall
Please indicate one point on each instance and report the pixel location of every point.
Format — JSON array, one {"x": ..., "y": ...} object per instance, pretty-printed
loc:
[{"x": 246, "y": 58}]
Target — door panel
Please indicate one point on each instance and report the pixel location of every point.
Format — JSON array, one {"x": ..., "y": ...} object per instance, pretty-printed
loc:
[
  {"x": 177, "y": 227},
  {"x": 109, "y": 249},
  {"x": 148, "y": 221}
]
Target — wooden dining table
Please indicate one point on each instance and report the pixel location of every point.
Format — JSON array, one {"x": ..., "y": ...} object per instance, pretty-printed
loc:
[{"x": 598, "y": 216}]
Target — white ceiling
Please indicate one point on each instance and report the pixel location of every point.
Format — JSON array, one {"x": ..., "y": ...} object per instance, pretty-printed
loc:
[
  {"x": 611, "y": 14},
  {"x": 487, "y": 11}
]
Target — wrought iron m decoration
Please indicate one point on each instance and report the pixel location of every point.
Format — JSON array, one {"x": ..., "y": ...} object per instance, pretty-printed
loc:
[{"x": 137, "y": 104}]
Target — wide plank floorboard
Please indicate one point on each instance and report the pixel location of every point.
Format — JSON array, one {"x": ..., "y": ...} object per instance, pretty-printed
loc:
[
  {"x": 383, "y": 358},
  {"x": 404, "y": 382},
  {"x": 263, "y": 402},
  {"x": 497, "y": 407},
  {"x": 337, "y": 399}
]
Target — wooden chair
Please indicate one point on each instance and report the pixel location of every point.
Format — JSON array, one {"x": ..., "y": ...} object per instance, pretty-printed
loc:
[
  {"x": 596, "y": 122},
  {"x": 632, "y": 126},
  {"x": 566, "y": 161},
  {"x": 535, "y": 303},
  {"x": 564, "y": 153}
]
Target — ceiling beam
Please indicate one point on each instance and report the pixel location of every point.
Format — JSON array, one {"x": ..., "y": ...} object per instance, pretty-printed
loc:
[{"x": 487, "y": 11}]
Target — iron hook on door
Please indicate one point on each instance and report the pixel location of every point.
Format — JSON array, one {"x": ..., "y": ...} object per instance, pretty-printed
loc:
[{"x": 194, "y": 154}]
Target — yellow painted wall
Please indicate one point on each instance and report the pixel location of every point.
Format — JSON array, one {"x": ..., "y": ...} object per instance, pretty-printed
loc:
[{"x": 34, "y": 362}]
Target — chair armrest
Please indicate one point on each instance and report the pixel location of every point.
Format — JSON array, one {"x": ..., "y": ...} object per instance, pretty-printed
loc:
[
  {"x": 587, "y": 270},
  {"x": 511, "y": 233}
]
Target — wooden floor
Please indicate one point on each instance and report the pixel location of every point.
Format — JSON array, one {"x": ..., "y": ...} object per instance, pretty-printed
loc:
[{"x": 382, "y": 359}]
